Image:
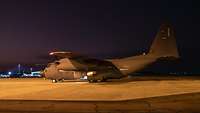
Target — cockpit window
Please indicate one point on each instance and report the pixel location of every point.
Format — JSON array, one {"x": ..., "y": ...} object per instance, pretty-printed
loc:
[
  {"x": 57, "y": 63},
  {"x": 49, "y": 65}
]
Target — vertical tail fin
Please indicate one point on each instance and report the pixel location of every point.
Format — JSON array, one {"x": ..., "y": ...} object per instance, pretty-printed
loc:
[{"x": 164, "y": 44}]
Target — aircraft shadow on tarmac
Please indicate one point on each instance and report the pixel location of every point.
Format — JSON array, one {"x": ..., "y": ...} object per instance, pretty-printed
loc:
[
  {"x": 138, "y": 78},
  {"x": 149, "y": 78}
]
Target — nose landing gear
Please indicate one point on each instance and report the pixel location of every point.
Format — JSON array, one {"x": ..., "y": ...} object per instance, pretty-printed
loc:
[
  {"x": 96, "y": 79},
  {"x": 57, "y": 80},
  {"x": 54, "y": 81}
]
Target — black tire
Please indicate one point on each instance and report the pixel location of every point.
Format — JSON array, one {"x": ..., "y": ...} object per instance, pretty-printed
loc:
[
  {"x": 92, "y": 81},
  {"x": 104, "y": 80},
  {"x": 100, "y": 79},
  {"x": 60, "y": 80}
]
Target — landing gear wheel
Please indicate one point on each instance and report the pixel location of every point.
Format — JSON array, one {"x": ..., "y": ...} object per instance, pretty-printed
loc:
[
  {"x": 101, "y": 79},
  {"x": 61, "y": 80},
  {"x": 92, "y": 81}
]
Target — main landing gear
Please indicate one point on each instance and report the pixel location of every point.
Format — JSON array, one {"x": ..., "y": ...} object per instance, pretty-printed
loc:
[{"x": 94, "y": 80}]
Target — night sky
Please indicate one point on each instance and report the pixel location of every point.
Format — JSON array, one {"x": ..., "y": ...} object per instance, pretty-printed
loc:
[{"x": 30, "y": 29}]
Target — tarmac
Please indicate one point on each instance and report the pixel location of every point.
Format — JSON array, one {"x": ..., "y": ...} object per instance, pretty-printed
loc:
[{"x": 148, "y": 94}]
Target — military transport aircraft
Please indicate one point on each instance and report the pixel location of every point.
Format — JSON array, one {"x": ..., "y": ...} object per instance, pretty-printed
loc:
[{"x": 74, "y": 66}]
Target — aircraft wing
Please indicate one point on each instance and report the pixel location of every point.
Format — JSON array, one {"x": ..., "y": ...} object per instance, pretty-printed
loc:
[
  {"x": 70, "y": 62},
  {"x": 81, "y": 62},
  {"x": 78, "y": 58}
]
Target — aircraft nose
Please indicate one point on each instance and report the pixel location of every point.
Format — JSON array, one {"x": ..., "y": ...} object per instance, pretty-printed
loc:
[
  {"x": 47, "y": 72},
  {"x": 51, "y": 72}
]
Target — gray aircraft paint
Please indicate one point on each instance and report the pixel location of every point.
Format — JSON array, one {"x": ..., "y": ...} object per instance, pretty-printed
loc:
[{"x": 164, "y": 45}]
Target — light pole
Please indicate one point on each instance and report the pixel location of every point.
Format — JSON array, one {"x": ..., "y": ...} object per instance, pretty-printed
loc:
[
  {"x": 19, "y": 68},
  {"x": 31, "y": 69}
]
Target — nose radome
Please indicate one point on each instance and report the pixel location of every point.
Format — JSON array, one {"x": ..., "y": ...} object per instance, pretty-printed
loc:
[{"x": 51, "y": 71}]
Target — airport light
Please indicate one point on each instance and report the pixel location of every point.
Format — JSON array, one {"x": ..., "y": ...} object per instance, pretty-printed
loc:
[
  {"x": 9, "y": 73},
  {"x": 31, "y": 69},
  {"x": 19, "y": 68}
]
